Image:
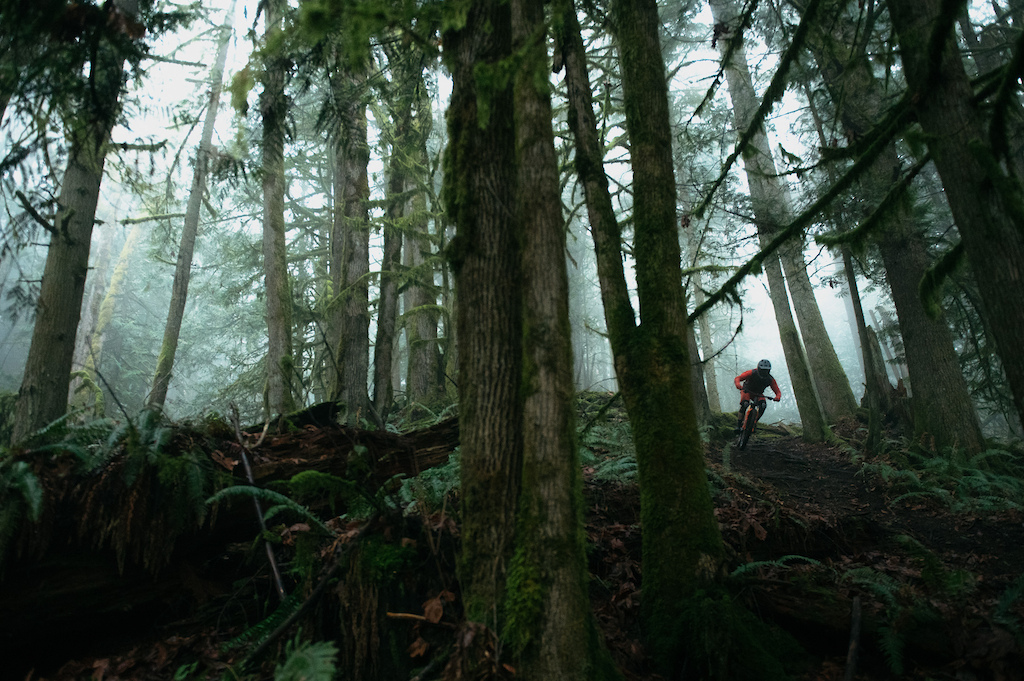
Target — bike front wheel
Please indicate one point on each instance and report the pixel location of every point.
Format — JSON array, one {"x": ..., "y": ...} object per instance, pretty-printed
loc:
[{"x": 748, "y": 428}]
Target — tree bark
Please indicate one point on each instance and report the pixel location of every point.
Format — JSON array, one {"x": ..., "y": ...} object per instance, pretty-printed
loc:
[
  {"x": 550, "y": 624},
  {"x": 273, "y": 107},
  {"x": 350, "y": 245},
  {"x": 187, "y": 245},
  {"x": 682, "y": 547},
  {"x": 43, "y": 396},
  {"x": 479, "y": 189}
]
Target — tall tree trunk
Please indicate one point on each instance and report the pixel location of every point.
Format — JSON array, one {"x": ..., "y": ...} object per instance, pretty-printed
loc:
[
  {"x": 479, "y": 189},
  {"x": 984, "y": 198},
  {"x": 273, "y": 107},
  {"x": 425, "y": 375},
  {"x": 423, "y": 378},
  {"x": 350, "y": 245},
  {"x": 187, "y": 245},
  {"x": 941, "y": 402},
  {"x": 397, "y": 200},
  {"x": 549, "y": 620},
  {"x": 769, "y": 203},
  {"x": 682, "y": 547},
  {"x": 97, "y": 285},
  {"x": 43, "y": 396},
  {"x": 707, "y": 345},
  {"x": 874, "y": 389},
  {"x": 812, "y": 417},
  {"x": 106, "y": 310},
  {"x": 387, "y": 309},
  {"x": 772, "y": 207}
]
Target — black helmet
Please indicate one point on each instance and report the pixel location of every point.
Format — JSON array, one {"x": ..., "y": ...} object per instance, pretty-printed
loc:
[{"x": 764, "y": 367}]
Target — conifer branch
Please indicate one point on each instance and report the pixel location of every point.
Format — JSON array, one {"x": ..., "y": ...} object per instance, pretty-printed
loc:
[{"x": 776, "y": 89}]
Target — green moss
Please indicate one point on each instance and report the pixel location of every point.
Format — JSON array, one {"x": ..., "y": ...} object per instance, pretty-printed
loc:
[
  {"x": 524, "y": 602},
  {"x": 381, "y": 561}
]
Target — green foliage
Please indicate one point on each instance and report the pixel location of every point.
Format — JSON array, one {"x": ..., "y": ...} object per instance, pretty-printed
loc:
[
  {"x": 429, "y": 491},
  {"x": 8, "y": 402},
  {"x": 992, "y": 480},
  {"x": 279, "y": 503},
  {"x": 21, "y": 495},
  {"x": 1003, "y": 614},
  {"x": 309, "y": 486},
  {"x": 934, "y": 573},
  {"x": 256, "y": 634},
  {"x": 607, "y": 445},
  {"x": 722, "y": 640},
  {"x": 892, "y": 644},
  {"x": 779, "y": 563},
  {"x": 307, "y": 661},
  {"x": 381, "y": 560},
  {"x": 903, "y": 611}
]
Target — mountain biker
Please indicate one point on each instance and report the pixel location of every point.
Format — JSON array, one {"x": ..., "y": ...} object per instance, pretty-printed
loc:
[{"x": 751, "y": 385}]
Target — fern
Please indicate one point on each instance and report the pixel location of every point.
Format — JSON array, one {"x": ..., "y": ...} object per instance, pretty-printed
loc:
[
  {"x": 259, "y": 632},
  {"x": 1009, "y": 597},
  {"x": 308, "y": 662},
  {"x": 933, "y": 572},
  {"x": 20, "y": 492},
  {"x": 620, "y": 469},
  {"x": 280, "y": 503},
  {"x": 779, "y": 563},
  {"x": 880, "y": 584},
  {"x": 892, "y": 646},
  {"x": 430, "y": 490}
]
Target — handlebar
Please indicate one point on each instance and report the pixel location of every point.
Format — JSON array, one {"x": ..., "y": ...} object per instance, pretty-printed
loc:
[{"x": 777, "y": 398}]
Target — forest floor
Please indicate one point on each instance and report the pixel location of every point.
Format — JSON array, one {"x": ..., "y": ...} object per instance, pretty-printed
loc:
[
  {"x": 813, "y": 532},
  {"x": 812, "y": 528}
]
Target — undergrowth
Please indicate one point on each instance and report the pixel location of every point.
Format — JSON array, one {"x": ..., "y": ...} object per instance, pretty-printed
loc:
[{"x": 990, "y": 481}]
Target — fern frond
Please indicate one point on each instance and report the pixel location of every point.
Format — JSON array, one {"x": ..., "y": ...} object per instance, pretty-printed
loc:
[
  {"x": 619, "y": 469},
  {"x": 880, "y": 584},
  {"x": 892, "y": 646},
  {"x": 781, "y": 563},
  {"x": 257, "y": 633},
  {"x": 308, "y": 662},
  {"x": 280, "y": 503},
  {"x": 1007, "y": 599}
]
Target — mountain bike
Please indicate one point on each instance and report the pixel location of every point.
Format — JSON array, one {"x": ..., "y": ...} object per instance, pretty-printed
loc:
[{"x": 750, "y": 419}]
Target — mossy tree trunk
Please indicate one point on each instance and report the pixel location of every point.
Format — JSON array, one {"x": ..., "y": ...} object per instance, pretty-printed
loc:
[
  {"x": 190, "y": 228},
  {"x": 279, "y": 397},
  {"x": 549, "y": 622},
  {"x": 106, "y": 310},
  {"x": 425, "y": 373},
  {"x": 479, "y": 191},
  {"x": 398, "y": 184},
  {"x": 350, "y": 243},
  {"x": 682, "y": 547},
  {"x": 984, "y": 194},
  {"x": 43, "y": 396},
  {"x": 93, "y": 299}
]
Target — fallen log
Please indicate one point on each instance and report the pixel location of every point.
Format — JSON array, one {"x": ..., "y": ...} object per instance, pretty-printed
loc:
[{"x": 107, "y": 550}]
